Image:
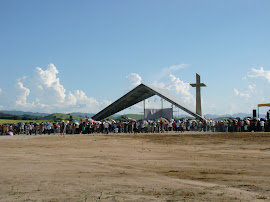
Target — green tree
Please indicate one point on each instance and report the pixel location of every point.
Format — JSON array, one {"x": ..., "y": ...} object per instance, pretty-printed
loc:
[
  {"x": 54, "y": 118},
  {"x": 70, "y": 118}
]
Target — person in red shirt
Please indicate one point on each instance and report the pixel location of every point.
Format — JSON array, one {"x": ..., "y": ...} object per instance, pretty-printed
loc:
[
  {"x": 174, "y": 126},
  {"x": 238, "y": 126}
]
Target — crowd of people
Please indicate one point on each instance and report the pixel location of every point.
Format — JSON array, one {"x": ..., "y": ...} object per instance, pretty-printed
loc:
[{"x": 89, "y": 126}]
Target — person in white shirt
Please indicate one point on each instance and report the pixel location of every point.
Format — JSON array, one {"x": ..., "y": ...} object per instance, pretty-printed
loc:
[
  {"x": 170, "y": 126},
  {"x": 262, "y": 125},
  {"x": 177, "y": 126},
  {"x": 106, "y": 127}
]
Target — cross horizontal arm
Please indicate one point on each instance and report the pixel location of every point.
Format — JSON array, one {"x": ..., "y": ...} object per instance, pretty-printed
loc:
[{"x": 195, "y": 85}]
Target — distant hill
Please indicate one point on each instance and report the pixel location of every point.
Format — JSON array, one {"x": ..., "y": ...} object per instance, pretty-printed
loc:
[
  {"x": 60, "y": 116},
  {"x": 18, "y": 117},
  {"x": 133, "y": 116},
  {"x": 241, "y": 115},
  {"x": 21, "y": 113},
  {"x": 84, "y": 115},
  {"x": 8, "y": 116}
]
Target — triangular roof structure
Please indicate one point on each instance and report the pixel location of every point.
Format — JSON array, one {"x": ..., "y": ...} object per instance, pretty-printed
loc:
[{"x": 138, "y": 94}]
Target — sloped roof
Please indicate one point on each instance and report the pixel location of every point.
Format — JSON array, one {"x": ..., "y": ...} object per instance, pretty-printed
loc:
[{"x": 138, "y": 94}]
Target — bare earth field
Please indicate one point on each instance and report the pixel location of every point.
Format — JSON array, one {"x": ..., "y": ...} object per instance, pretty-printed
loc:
[{"x": 152, "y": 167}]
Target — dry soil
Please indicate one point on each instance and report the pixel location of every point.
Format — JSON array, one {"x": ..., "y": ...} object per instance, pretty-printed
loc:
[{"x": 144, "y": 167}]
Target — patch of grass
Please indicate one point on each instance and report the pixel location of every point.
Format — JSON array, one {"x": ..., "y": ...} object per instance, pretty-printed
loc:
[
  {"x": 100, "y": 195},
  {"x": 174, "y": 191},
  {"x": 261, "y": 197},
  {"x": 9, "y": 121},
  {"x": 190, "y": 194},
  {"x": 220, "y": 194},
  {"x": 85, "y": 195}
]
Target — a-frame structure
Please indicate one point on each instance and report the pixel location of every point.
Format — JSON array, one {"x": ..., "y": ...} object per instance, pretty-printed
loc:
[{"x": 138, "y": 94}]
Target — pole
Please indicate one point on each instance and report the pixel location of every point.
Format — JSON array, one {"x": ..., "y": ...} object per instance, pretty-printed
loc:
[
  {"x": 144, "y": 109},
  {"x": 172, "y": 111}
]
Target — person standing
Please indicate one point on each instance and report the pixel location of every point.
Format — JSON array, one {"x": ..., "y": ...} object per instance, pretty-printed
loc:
[
  {"x": 178, "y": 126},
  {"x": 239, "y": 126},
  {"x": 106, "y": 127},
  {"x": 262, "y": 125},
  {"x": 30, "y": 128},
  {"x": 63, "y": 129},
  {"x": 49, "y": 128},
  {"x": 182, "y": 126}
]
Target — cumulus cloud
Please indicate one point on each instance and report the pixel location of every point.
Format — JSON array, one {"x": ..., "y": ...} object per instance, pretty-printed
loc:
[
  {"x": 47, "y": 93},
  {"x": 159, "y": 84},
  {"x": 21, "y": 94},
  {"x": 84, "y": 102},
  {"x": 133, "y": 80},
  {"x": 181, "y": 88},
  {"x": 48, "y": 85},
  {"x": 71, "y": 99},
  {"x": 261, "y": 73},
  {"x": 176, "y": 87}
]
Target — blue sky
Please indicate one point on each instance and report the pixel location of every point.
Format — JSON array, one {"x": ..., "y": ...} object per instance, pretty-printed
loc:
[{"x": 64, "y": 56}]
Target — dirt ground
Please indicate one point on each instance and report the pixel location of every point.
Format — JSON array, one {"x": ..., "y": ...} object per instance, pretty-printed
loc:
[{"x": 152, "y": 167}]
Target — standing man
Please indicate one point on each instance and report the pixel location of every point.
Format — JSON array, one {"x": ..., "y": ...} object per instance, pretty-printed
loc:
[
  {"x": 63, "y": 129},
  {"x": 106, "y": 127}
]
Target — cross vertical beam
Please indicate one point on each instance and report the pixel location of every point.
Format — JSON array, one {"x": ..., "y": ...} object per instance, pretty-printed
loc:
[{"x": 198, "y": 86}]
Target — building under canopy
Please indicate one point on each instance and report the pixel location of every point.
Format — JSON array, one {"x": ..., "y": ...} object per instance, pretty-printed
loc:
[{"x": 138, "y": 94}]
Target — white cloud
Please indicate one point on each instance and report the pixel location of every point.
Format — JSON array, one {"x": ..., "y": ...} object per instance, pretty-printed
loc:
[
  {"x": 169, "y": 70},
  {"x": 245, "y": 95},
  {"x": 259, "y": 73},
  {"x": 133, "y": 80},
  {"x": 158, "y": 84},
  {"x": 176, "y": 86},
  {"x": 48, "y": 85},
  {"x": 177, "y": 67},
  {"x": 251, "y": 87},
  {"x": 106, "y": 103},
  {"x": 181, "y": 88},
  {"x": 0, "y": 90},
  {"x": 43, "y": 87},
  {"x": 21, "y": 94},
  {"x": 87, "y": 103},
  {"x": 255, "y": 92},
  {"x": 236, "y": 92},
  {"x": 71, "y": 99}
]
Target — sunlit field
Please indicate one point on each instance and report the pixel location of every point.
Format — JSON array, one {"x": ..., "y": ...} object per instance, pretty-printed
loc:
[{"x": 144, "y": 167}]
